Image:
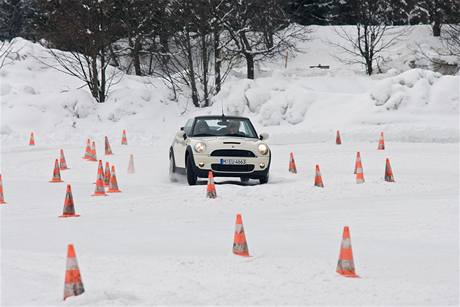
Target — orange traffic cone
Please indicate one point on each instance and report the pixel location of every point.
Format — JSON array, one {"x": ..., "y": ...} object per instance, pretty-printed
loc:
[
  {"x": 359, "y": 169},
  {"x": 107, "y": 174},
  {"x": 2, "y": 200},
  {"x": 62, "y": 161},
  {"x": 124, "y": 140},
  {"x": 108, "y": 150},
  {"x": 131, "y": 165},
  {"x": 100, "y": 190},
  {"x": 381, "y": 142},
  {"x": 113, "y": 186},
  {"x": 346, "y": 266},
  {"x": 240, "y": 246},
  {"x": 292, "y": 167},
  {"x": 338, "y": 140},
  {"x": 73, "y": 285},
  {"x": 32, "y": 139},
  {"x": 388, "y": 172},
  {"x": 56, "y": 173},
  {"x": 92, "y": 153},
  {"x": 318, "y": 179},
  {"x": 87, "y": 149},
  {"x": 211, "y": 190},
  {"x": 69, "y": 209}
]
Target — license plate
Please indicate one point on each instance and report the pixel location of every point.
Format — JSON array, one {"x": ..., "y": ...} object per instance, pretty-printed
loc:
[{"x": 232, "y": 161}]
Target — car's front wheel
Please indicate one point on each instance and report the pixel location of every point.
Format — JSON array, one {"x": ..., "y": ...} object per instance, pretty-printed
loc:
[
  {"x": 263, "y": 179},
  {"x": 191, "y": 176}
]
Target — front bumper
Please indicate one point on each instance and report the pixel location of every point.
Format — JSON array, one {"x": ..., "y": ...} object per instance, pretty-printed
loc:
[{"x": 255, "y": 167}]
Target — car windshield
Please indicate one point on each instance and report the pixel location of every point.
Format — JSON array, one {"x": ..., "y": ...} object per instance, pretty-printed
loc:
[{"x": 224, "y": 126}]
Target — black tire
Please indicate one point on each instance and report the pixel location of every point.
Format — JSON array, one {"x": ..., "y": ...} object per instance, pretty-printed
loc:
[
  {"x": 244, "y": 179},
  {"x": 264, "y": 179},
  {"x": 191, "y": 176},
  {"x": 172, "y": 168}
]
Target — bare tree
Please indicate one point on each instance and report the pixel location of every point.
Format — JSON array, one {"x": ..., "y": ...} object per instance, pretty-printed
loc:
[
  {"x": 372, "y": 36},
  {"x": 7, "y": 50},
  {"x": 451, "y": 37}
]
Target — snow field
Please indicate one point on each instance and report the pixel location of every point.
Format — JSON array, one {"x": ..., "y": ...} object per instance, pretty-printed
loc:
[{"x": 166, "y": 243}]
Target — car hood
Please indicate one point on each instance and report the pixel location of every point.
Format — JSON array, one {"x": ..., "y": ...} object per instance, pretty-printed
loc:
[{"x": 225, "y": 142}]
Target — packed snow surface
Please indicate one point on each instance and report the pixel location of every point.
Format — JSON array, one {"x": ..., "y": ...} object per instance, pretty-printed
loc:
[{"x": 159, "y": 242}]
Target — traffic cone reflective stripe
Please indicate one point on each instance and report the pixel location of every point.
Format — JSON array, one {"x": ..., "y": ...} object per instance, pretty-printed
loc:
[
  {"x": 240, "y": 246},
  {"x": 124, "y": 140},
  {"x": 318, "y": 178},
  {"x": 113, "y": 186},
  {"x": 62, "y": 161},
  {"x": 69, "y": 208},
  {"x": 108, "y": 150},
  {"x": 131, "y": 169},
  {"x": 2, "y": 200},
  {"x": 292, "y": 166},
  {"x": 211, "y": 189},
  {"x": 56, "y": 173},
  {"x": 32, "y": 139},
  {"x": 73, "y": 284},
  {"x": 381, "y": 142},
  {"x": 345, "y": 265},
  {"x": 92, "y": 153},
  {"x": 338, "y": 140},
  {"x": 87, "y": 149},
  {"x": 389, "y": 172},
  {"x": 100, "y": 190},
  {"x": 107, "y": 174}
]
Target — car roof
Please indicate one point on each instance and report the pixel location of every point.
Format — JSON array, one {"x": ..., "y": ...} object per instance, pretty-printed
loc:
[{"x": 220, "y": 116}]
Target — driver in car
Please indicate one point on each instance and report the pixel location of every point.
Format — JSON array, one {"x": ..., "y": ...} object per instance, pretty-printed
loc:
[
  {"x": 233, "y": 127},
  {"x": 202, "y": 127}
]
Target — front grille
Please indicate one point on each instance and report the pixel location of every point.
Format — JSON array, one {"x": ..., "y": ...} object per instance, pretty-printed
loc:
[
  {"x": 232, "y": 168},
  {"x": 232, "y": 153}
]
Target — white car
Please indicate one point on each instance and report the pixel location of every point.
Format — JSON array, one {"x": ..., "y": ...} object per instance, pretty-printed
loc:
[{"x": 226, "y": 145}]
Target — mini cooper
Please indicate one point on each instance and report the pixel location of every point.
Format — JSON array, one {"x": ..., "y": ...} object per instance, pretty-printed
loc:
[{"x": 226, "y": 145}]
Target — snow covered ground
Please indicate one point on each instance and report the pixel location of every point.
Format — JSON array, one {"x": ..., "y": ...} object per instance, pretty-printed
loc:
[{"x": 165, "y": 243}]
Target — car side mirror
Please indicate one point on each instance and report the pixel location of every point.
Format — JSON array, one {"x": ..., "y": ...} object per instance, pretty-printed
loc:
[
  {"x": 263, "y": 136},
  {"x": 181, "y": 135}
]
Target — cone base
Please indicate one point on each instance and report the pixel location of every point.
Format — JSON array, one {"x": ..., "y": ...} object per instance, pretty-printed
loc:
[
  {"x": 56, "y": 180},
  {"x": 3, "y": 202},
  {"x": 69, "y": 215},
  {"x": 242, "y": 254},
  {"x": 114, "y": 191},
  {"x": 99, "y": 194},
  {"x": 348, "y": 274}
]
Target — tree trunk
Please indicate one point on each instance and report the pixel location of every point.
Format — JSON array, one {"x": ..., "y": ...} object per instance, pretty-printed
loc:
[
  {"x": 103, "y": 78},
  {"x": 204, "y": 58},
  {"x": 437, "y": 28},
  {"x": 94, "y": 78},
  {"x": 191, "y": 69},
  {"x": 250, "y": 65},
  {"x": 135, "y": 56},
  {"x": 164, "y": 47},
  {"x": 217, "y": 60}
]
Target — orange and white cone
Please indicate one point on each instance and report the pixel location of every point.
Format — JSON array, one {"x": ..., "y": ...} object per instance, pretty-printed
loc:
[
  {"x": 318, "y": 178},
  {"x": 381, "y": 142},
  {"x": 108, "y": 149},
  {"x": 346, "y": 265},
  {"x": 292, "y": 166},
  {"x": 56, "y": 173},
  {"x": 389, "y": 172},
  {"x": 240, "y": 246},
  {"x": 69, "y": 208},
  {"x": 107, "y": 174},
  {"x": 211, "y": 189},
  {"x": 92, "y": 154},
  {"x": 113, "y": 186},
  {"x": 358, "y": 161},
  {"x": 338, "y": 140},
  {"x": 73, "y": 284},
  {"x": 124, "y": 140},
  {"x": 87, "y": 150},
  {"x": 31, "y": 139},
  {"x": 100, "y": 190},
  {"x": 359, "y": 169},
  {"x": 131, "y": 169},
  {"x": 2, "y": 199},
  {"x": 62, "y": 161}
]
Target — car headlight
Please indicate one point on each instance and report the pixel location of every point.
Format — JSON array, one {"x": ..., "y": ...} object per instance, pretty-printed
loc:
[
  {"x": 200, "y": 147},
  {"x": 263, "y": 149}
]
